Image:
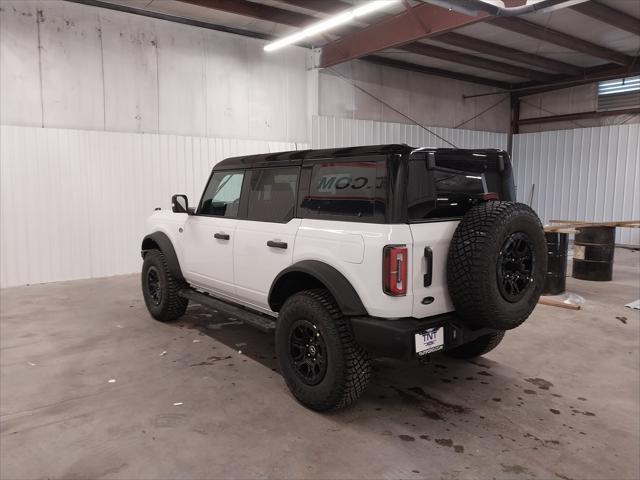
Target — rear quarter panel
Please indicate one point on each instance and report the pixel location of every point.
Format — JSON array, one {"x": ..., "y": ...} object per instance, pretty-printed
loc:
[{"x": 355, "y": 250}]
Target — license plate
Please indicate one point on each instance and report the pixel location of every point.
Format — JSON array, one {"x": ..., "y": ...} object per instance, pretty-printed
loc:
[{"x": 429, "y": 341}]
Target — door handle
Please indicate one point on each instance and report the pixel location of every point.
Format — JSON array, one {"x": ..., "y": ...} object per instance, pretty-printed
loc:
[
  {"x": 428, "y": 256},
  {"x": 276, "y": 244},
  {"x": 221, "y": 236}
]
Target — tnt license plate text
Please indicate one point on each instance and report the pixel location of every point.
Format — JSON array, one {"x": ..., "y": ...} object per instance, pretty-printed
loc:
[{"x": 429, "y": 341}]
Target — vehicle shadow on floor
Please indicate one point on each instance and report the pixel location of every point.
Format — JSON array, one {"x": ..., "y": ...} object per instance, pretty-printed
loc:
[
  {"x": 230, "y": 331},
  {"x": 450, "y": 406},
  {"x": 443, "y": 389}
]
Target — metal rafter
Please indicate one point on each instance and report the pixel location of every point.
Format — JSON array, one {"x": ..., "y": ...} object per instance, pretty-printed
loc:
[
  {"x": 258, "y": 11},
  {"x": 414, "y": 67},
  {"x": 578, "y": 116},
  {"x": 413, "y": 24},
  {"x": 500, "y": 51},
  {"x": 539, "y": 32},
  {"x": 324, "y": 6},
  {"x": 473, "y": 61},
  {"x": 609, "y": 16}
]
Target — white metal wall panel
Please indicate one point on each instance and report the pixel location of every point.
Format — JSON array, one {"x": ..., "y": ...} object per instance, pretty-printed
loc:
[
  {"x": 327, "y": 132},
  {"x": 590, "y": 174},
  {"x": 73, "y": 202}
]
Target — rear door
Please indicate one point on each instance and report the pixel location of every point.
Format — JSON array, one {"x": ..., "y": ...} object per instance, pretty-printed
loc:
[{"x": 264, "y": 242}]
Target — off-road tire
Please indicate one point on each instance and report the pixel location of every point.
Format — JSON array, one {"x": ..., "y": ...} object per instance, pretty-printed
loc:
[
  {"x": 477, "y": 347},
  {"x": 348, "y": 369},
  {"x": 171, "y": 306},
  {"x": 475, "y": 253}
]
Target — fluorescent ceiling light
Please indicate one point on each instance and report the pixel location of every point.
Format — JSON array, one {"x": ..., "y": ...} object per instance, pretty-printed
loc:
[{"x": 329, "y": 23}]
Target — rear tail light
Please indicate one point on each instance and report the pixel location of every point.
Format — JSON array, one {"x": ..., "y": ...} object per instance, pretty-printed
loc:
[{"x": 394, "y": 270}]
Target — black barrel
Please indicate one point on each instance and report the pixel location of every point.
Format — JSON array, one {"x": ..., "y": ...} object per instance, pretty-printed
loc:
[
  {"x": 555, "y": 279},
  {"x": 593, "y": 253}
]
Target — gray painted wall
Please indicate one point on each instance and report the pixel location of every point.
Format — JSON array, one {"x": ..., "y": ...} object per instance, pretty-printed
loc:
[
  {"x": 430, "y": 100},
  {"x": 583, "y": 98},
  {"x": 65, "y": 65},
  {"x": 76, "y": 66}
]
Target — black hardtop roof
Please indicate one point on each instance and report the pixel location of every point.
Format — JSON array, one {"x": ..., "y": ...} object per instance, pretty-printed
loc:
[{"x": 297, "y": 157}]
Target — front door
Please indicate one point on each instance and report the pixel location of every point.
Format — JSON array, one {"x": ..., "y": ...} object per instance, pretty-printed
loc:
[
  {"x": 209, "y": 235},
  {"x": 263, "y": 245}
]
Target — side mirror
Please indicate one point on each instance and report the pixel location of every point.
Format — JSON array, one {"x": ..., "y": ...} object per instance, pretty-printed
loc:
[{"x": 180, "y": 204}]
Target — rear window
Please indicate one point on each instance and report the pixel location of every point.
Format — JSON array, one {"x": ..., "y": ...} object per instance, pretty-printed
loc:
[
  {"x": 441, "y": 192},
  {"x": 347, "y": 190}
]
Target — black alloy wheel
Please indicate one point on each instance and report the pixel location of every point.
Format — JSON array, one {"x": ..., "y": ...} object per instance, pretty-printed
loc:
[
  {"x": 516, "y": 266},
  {"x": 153, "y": 285},
  {"x": 308, "y": 352}
]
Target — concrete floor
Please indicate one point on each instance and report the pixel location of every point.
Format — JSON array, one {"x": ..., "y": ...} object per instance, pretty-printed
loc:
[{"x": 92, "y": 387}]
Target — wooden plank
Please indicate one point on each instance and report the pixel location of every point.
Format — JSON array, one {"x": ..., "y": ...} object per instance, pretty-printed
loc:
[
  {"x": 557, "y": 303},
  {"x": 579, "y": 224},
  {"x": 559, "y": 229}
]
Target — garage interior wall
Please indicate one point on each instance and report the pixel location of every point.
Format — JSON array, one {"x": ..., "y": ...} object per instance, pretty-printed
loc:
[
  {"x": 65, "y": 65},
  {"x": 590, "y": 174},
  {"x": 74, "y": 202},
  {"x": 329, "y": 132},
  {"x": 580, "y": 99},
  {"x": 105, "y": 115},
  {"x": 427, "y": 99}
]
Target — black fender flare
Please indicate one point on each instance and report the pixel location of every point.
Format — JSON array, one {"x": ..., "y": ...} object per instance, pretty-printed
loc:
[
  {"x": 163, "y": 243},
  {"x": 343, "y": 292}
]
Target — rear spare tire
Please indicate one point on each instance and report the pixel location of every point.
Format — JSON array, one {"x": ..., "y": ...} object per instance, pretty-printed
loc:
[{"x": 496, "y": 265}]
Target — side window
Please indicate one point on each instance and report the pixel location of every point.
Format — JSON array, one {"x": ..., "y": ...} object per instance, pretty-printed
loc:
[
  {"x": 272, "y": 194},
  {"x": 354, "y": 188},
  {"x": 222, "y": 196}
]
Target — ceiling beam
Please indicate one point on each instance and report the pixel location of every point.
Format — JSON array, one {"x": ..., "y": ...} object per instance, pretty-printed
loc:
[
  {"x": 172, "y": 18},
  {"x": 473, "y": 61},
  {"x": 414, "y": 67},
  {"x": 508, "y": 53},
  {"x": 578, "y": 116},
  {"x": 257, "y": 10},
  {"x": 324, "y": 6},
  {"x": 609, "y": 16},
  {"x": 414, "y": 23},
  {"x": 540, "y": 32}
]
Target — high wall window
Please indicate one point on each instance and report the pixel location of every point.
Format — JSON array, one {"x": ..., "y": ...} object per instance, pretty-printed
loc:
[{"x": 620, "y": 93}]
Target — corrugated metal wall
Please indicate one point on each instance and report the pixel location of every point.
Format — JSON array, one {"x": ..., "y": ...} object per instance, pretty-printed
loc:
[
  {"x": 73, "y": 203},
  {"x": 588, "y": 174},
  {"x": 327, "y": 132}
]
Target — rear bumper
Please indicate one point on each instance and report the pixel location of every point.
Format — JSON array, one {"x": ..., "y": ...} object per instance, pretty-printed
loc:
[{"x": 395, "y": 338}]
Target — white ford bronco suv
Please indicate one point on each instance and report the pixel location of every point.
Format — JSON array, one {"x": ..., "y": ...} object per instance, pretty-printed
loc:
[{"x": 350, "y": 254}]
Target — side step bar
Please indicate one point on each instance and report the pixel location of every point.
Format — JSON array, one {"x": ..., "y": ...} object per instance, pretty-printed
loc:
[{"x": 259, "y": 321}]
